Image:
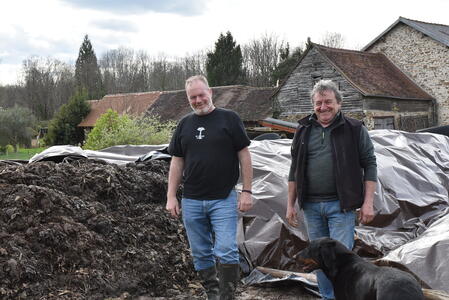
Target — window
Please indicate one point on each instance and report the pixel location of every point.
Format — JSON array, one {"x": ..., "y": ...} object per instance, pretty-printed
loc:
[
  {"x": 413, "y": 123},
  {"x": 315, "y": 78},
  {"x": 384, "y": 123}
]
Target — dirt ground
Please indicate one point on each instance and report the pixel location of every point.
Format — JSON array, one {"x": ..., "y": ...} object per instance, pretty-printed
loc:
[
  {"x": 286, "y": 291},
  {"x": 85, "y": 229}
]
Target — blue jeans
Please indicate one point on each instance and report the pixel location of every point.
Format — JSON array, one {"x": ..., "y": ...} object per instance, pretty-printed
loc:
[
  {"x": 211, "y": 227},
  {"x": 325, "y": 219}
]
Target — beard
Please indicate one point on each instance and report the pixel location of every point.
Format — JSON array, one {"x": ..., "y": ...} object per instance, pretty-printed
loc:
[{"x": 203, "y": 111}]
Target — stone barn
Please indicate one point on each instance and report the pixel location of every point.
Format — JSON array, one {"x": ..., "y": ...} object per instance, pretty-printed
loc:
[{"x": 421, "y": 50}]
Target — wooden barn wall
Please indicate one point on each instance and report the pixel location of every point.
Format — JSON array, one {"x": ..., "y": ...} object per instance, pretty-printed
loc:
[
  {"x": 293, "y": 98},
  {"x": 400, "y": 105},
  {"x": 408, "y": 115}
]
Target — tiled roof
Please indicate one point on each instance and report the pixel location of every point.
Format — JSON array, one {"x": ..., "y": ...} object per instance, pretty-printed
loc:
[
  {"x": 373, "y": 74},
  {"x": 251, "y": 103},
  {"x": 438, "y": 32},
  {"x": 134, "y": 104}
]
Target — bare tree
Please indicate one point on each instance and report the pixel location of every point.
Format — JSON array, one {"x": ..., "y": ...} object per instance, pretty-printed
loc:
[
  {"x": 260, "y": 58},
  {"x": 159, "y": 73},
  {"x": 48, "y": 83},
  {"x": 184, "y": 67},
  {"x": 333, "y": 39},
  {"x": 125, "y": 70},
  {"x": 11, "y": 95}
]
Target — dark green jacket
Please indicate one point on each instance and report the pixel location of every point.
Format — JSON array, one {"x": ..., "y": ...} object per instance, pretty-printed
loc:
[{"x": 349, "y": 161}]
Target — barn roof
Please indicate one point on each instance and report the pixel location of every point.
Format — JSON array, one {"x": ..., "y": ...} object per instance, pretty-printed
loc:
[
  {"x": 438, "y": 32},
  {"x": 133, "y": 104},
  {"x": 373, "y": 74},
  {"x": 251, "y": 103}
]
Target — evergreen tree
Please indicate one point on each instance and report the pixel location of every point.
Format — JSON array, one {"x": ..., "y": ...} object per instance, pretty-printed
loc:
[
  {"x": 224, "y": 66},
  {"x": 63, "y": 128},
  {"x": 287, "y": 63},
  {"x": 87, "y": 71}
]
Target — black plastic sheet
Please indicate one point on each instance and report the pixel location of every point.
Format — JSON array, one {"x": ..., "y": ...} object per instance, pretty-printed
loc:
[
  {"x": 411, "y": 227},
  {"x": 411, "y": 205}
]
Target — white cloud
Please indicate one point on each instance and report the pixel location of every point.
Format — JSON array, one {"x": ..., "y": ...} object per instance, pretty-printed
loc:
[
  {"x": 5, "y": 73},
  {"x": 115, "y": 24},
  {"x": 55, "y": 28},
  {"x": 181, "y": 7}
]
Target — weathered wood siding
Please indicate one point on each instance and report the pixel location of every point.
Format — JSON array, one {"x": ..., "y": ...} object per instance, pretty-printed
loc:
[
  {"x": 408, "y": 115},
  {"x": 399, "y": 105},
  {"x": 292, "y": 101},
  {"x": 293, "y": 98}
]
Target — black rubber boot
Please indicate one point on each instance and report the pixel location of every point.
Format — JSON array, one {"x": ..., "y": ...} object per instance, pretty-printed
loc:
[
  {"x": 209, "y": 281},
  {"x": 228, "y": 275}
]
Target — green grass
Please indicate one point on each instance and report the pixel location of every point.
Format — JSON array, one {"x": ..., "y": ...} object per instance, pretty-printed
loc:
[{"x": 24, "y": 154}]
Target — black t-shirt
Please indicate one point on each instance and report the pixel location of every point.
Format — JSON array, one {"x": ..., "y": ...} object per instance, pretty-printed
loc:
[{"x": 209, "y": 146}]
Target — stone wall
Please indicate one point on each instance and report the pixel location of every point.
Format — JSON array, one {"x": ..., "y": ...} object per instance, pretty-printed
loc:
[{"x": 423, "y": 59}]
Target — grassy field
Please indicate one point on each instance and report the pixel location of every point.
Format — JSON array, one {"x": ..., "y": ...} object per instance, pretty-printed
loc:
[{"x": 23, "y": 154}]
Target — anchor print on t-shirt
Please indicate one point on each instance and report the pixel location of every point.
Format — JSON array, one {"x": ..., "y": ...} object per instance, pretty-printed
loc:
[{"x": 200, "y": 134}]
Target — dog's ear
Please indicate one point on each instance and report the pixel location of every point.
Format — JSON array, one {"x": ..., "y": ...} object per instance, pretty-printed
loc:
[{"x": 329, "y": 259}]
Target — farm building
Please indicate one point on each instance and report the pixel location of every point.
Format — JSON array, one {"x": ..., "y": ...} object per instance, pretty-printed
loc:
[
  {"x": 420, "y": 50},
  {"x": 374, "y": 89},
  {"x": 132, "y": 104},
  {"x": 251, "y": 103}
]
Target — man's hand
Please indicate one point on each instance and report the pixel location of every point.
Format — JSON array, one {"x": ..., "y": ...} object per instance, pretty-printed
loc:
[
  {"x": 174, "y": 179},
  {"x": 173, "y": 206},
  {"x": 366, "y": 213},
  {"x": 292, "y": 216},
  {"x": 245, "y": 201}
]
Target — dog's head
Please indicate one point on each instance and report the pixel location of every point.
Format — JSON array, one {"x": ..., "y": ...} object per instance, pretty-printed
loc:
[{"x": 321, "y": 254}]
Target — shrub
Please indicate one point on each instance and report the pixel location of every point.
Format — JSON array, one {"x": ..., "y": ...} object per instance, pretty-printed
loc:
[
  {"x": 112, "y": 129},
  {"x": 6, "y": 149}
]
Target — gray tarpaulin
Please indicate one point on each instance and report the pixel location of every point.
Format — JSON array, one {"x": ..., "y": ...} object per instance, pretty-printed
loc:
[
  {"x": 120, "y": 155},
  {"x": 411, "y": 202},
  {"x": 411, "y": 227}
]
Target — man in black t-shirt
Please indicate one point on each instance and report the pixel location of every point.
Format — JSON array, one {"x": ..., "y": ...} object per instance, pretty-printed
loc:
[{"x": 207, "y": 148}]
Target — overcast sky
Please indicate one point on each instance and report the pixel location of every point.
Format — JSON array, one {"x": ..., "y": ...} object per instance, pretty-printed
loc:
[{"x": 55, "y": 28}]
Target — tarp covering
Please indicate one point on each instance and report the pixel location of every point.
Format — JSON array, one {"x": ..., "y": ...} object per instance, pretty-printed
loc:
[
  {"x": 411, "y": 203},
  {"x": 119, "y": 155}
]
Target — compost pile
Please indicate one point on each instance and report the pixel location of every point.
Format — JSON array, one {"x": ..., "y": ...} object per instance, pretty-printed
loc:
[{"x": 85, "y": 229}]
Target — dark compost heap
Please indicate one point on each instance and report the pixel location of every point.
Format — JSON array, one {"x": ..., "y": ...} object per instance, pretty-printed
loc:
[{"x": 86, "y": 229}]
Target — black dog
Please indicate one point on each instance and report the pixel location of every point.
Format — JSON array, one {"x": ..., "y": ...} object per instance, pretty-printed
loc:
[{"x": 354, "y": 278}]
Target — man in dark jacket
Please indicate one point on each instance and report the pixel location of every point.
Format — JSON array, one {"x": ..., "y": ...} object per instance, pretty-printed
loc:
[{"x": 333, "y": 172}]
